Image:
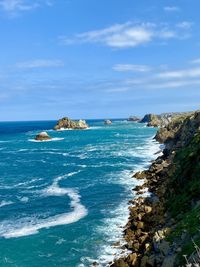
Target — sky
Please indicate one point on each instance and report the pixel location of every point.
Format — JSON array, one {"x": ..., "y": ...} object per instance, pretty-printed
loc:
[{"x": 98, "y": 58}]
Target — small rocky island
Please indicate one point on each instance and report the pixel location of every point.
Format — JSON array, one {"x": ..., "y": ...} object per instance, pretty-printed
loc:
[
  {"x": 107, "y": 122},
  {"x": 133, "y": 118},
  {"x": 68, "y": 124},
  {"x": 43, "y": 136}
]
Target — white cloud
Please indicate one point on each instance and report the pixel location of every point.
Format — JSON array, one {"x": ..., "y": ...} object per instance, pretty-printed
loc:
[
  {"x": 188, "y": 77},
  {"x": 16, "y": 6},
  {"x": 131, "y": 67},
  {"x": 117, "y": 90},
  {"x": 175, "y": 84},
  {"x": 127, "y": 35},
  {"x": 171, "y": 8},
  {"x": 119, "y": 35},
  {"x": 186, "y": 73},
  {"x": 40, "y": 63},
  {"x": 167, "y": 34}
]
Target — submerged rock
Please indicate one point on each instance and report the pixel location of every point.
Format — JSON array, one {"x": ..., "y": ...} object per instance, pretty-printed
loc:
[
  {"x": 107, "y": 122},
  {"x": 43, "y": 136},
  {"x": 66, "y": 123}
]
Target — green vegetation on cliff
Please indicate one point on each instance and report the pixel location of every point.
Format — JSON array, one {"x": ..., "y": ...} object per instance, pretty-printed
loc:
[{"x": 185, "y": 181}]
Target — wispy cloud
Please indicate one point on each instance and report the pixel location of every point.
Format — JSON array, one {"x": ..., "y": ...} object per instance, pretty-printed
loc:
[
  {"x": 186, "y": 73},
  {"x": 13, "y": 7},
  {"x": 195, "y": 61},
  {"x": 127, "y": 35},
  {"x": 171, "y": 79},
  {"x": 174, "y": 84},
  {"x": 131, "y": 67},
  {"x": 185, "y": 25},
  {"x": 40, "y": 63},
  {"x": 171, "y": 8}
]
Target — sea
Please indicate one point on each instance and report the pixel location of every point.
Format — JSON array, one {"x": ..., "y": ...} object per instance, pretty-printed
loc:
[{"x": 64, "y": 202}]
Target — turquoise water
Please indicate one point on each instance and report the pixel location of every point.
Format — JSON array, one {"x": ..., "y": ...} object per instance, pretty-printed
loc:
[{"x": 64, "y": 202}]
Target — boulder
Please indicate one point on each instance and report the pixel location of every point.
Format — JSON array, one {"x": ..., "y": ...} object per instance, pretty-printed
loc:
[
  {"x": 133, "y": 259},
  {"x": 43, "y": 136},
  {"x": 139, "y": 175},
  {"x": 66, "y": 123},
  {"x": 107, "y": 122}
]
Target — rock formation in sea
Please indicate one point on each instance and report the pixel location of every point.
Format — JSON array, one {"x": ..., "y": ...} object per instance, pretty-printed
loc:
[
  {"x": 163, "y": 119},
  {"x": 43, "y": 136},
  {"x": 107, "y": 122},
  {"x": 165, "y": 225},
  {"x": 66, "y": 123},
  {"x": 133, "y": 118}
]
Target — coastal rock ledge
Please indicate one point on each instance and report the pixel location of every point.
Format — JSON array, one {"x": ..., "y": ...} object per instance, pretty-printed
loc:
[
  {"x": 43, "y": 136},
  {"x": 66, "y": 123}
]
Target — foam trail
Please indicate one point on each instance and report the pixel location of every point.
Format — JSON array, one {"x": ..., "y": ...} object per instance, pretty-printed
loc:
[
  {"x": 112, "y": 227},
  {"x": 33, "y": 226},
  {"x": 50, "y": 140},
  {"x": 5, "y": 203}
]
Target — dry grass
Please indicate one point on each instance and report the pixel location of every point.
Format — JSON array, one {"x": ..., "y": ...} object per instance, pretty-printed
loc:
[{"x": 194, "y": 259}]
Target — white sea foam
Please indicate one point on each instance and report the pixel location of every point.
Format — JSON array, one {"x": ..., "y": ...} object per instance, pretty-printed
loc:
[
  {"x": 50, "y": 140},
  {"x": 5, "y": 203},
  {"x": 63, "y": 129},
  {"x": 113, "y": 226},
  {"x": 23, "y": 199},
  {"x": 29, "y": 226}
]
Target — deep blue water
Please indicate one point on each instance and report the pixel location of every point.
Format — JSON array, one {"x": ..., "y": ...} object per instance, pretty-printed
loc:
[{"x": 64, "y": 202}]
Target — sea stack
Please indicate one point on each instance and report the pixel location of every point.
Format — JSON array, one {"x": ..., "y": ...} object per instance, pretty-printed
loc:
[
  {"x": 68, "y": 124},
  {"x": 133, "y": 118},
  {"x": 107, "y": 122},
  {"x": 43, "y": 136}
]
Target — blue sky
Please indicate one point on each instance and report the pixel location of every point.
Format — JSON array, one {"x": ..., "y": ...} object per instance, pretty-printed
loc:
[{"x": 98, "y": 59}]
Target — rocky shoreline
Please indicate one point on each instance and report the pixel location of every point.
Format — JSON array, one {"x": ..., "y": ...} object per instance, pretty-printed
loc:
[{"x": 164, "y": 226}]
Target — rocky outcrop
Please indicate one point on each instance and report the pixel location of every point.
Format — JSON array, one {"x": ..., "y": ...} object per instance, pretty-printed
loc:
[
  {"x": 43, "y": 136},
  {"x": 164, "y": 226},
  {"x": 163, "y": 119},
  {"x": 66, "y": 123},
  {"x": 133, "y": 118},
  {"x": 107, "y": 122},
  {"x": 151, "y": 120}
]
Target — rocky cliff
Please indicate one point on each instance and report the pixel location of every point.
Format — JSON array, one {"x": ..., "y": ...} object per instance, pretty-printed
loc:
[
  {"x": 66, "y": 123},
  {"x": 163, "y": 119},
  {"x": 165, "y": 226}
]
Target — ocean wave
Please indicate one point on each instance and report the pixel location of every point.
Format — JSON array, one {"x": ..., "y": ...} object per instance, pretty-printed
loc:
[
  {"x": 29, "y": 226},
  {"x": 5, "y": 203},
  {"x": 23, "y": 199},
  {"x": 112, "y": 228},
  {"x": 51, "y": 140},
  {"x": 95, "y": 127}
]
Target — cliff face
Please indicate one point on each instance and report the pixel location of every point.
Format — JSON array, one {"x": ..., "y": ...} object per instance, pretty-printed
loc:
[
  {"x": 164, "y": 227},
  {"x": 163, "y": 119}
]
